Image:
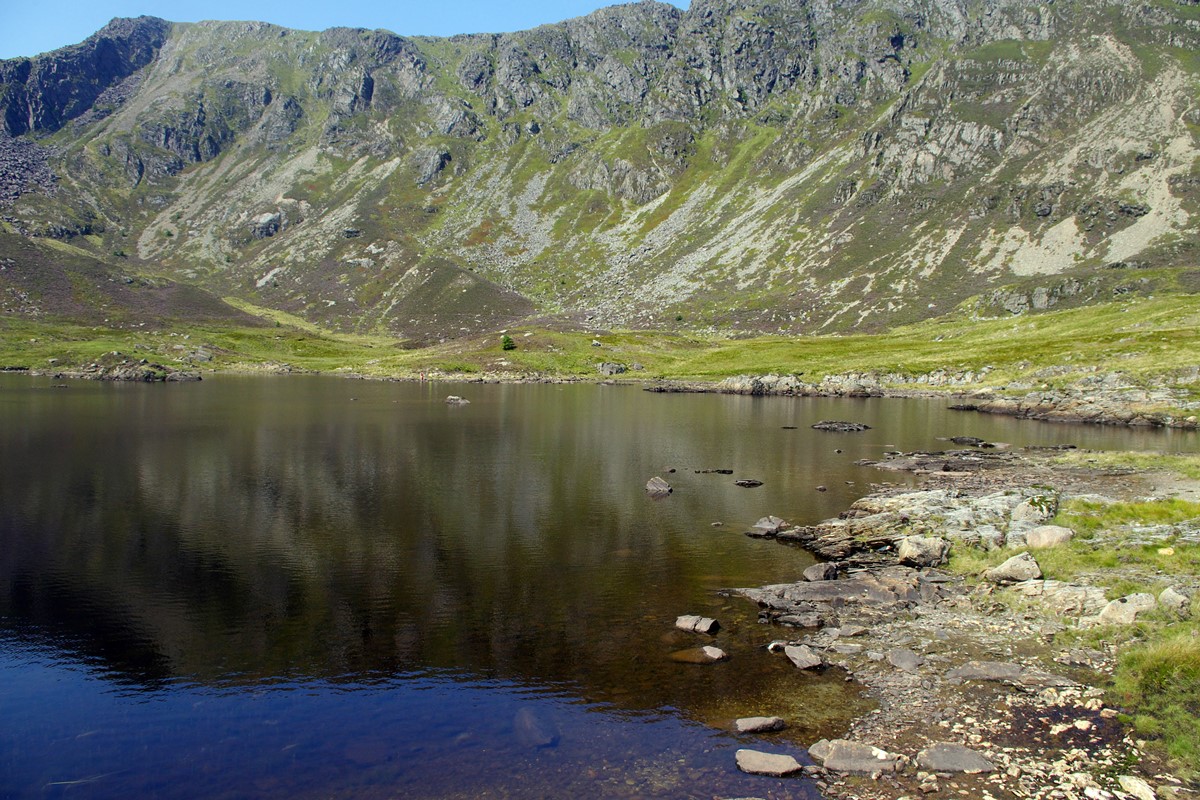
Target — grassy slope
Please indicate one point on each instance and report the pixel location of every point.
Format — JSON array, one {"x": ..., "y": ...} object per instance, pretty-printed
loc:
[{"x": 1152, "y": 340}]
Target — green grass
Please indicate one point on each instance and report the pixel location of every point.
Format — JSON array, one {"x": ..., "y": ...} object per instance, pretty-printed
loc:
[
  {"x": 1187, "y": 465},
  {"x": 1160, "y": 681},
  {"x": 1157, "y": 678}
]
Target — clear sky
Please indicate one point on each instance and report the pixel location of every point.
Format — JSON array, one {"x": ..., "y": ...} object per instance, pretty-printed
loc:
[{"x": 29, "y": 27}]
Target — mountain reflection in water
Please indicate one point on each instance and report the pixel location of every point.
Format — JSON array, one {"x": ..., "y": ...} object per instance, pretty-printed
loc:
[{"x": 269, "y": 584}]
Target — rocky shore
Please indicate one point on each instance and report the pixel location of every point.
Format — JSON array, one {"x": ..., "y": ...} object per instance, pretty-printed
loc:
[
  {"x": 984, "y": 690},
  {"x": 116, "y": 366},
  {"x": 1108, "y": 399}
]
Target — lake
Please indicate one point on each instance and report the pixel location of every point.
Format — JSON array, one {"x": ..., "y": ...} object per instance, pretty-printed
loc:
[{"x": 265, "y": 587}]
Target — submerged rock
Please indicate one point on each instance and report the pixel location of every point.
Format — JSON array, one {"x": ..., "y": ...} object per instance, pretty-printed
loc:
[
  {"x": 760, "y": 724},
  {"x": 839, "y": 426},
  {"x": 455, "y": 400},
  {"x": 748, "y": 483},
  {"x": 533, "y": 729},
  {"x": 700, "y": 655}
]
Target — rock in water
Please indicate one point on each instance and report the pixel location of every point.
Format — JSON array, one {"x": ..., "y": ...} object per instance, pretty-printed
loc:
[
  {"x": 697, "y": 624},
  {"x": 949, "y": 757},
  {"x": 839, "y": 426},
  {"x": 803, "y": 656},
  {"x": 825, "y": 571},
  {"x": 534, "y": 730},
  {"x": 1021, "y": 567},
  {"x": 748, "y": 483},
  {"x": 758, "y": 763},
  {"x": 657, "y": 485},
  {"x": 700, "y": 655},
  {"x": 760, "y": 724},
  {"x": 766, "y": 527},
  {"x": 455, "y": 400}
]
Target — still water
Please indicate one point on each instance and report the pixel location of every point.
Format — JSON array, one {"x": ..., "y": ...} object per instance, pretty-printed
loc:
[{"x": 313, "y": 587}]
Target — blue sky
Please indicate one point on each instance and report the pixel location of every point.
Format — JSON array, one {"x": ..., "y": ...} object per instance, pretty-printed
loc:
[{"x": 29, "y": 27}]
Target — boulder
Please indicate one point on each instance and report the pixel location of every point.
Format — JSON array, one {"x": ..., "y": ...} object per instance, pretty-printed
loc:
[
  {"x": 1035, "y": 510},
  {"x": 949, "y": 757},
  {"x": 609, "y": 368},
  {"x": 773, "y": 765},
  {"x": 1174, "y": 601},
  {"x": 455, "y": 400},
  {"x": 657, "y": 485},
  {"x": 1136, "y": 787},
  {"x": 1124, "y": 610},
  {"x": 904, "y": 659},
  {"x": 697, "y": 624},
  {"x": 760, "y": 724},
  {"x": 803, "y": 656},
  {"x": 842, "y": 755},
  {"x": 825, "y": 571},
  {"x": 1044, "y": 536},
  {"x": 766, "y": 527},
  {"x": 1021, "y": 567},
  {"x": 923, "y": 551},
  {"x": 1061, "y": 597}
]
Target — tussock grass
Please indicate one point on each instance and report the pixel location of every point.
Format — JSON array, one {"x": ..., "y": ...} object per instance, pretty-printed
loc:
[{"x": 1160, "y": 681}]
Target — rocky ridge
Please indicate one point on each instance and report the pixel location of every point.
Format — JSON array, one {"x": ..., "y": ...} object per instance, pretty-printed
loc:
[{"x": 741, "y": 164}]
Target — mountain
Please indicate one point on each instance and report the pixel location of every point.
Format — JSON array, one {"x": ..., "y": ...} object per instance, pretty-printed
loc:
[{"x": 745, "y": 165}]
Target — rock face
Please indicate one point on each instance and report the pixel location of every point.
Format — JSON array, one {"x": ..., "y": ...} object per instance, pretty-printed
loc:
[{"x": 528, "y": 162}]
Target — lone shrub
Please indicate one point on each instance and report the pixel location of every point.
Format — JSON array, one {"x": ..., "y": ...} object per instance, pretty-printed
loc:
[{"x": 507, "y": 343}]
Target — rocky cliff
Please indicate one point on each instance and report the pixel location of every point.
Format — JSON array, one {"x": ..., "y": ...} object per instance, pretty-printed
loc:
[{"x": 789, "y": 165}]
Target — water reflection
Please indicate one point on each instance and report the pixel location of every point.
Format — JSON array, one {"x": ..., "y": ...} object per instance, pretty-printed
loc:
[{"x": 248, "y": 533}]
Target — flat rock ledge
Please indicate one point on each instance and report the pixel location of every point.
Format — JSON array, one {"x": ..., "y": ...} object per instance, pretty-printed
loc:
[{"x": 756, "y": 762}]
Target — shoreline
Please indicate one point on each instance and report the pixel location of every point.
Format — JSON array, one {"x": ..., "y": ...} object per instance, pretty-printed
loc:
[{"x": 999, "y": 670}]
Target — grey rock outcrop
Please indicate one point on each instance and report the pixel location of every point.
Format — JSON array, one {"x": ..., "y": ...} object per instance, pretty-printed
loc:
[
  {"x": 923, "y": 551},
  {"x": 1125, "y": 610},
  {"x": 1044, "y": 536}
]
